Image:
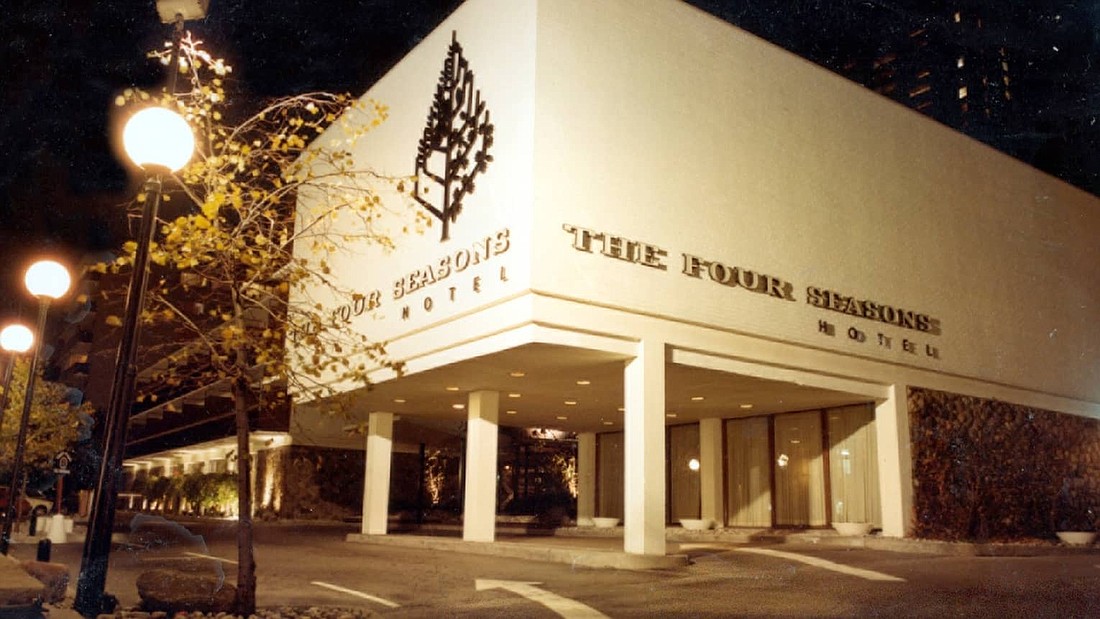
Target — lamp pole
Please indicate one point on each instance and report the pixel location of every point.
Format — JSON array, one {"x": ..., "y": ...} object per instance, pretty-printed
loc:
[
  {"x": 15, "y": 340},
  {"x": 47, "y": 280},
  {"x": 161, "y": 142}
]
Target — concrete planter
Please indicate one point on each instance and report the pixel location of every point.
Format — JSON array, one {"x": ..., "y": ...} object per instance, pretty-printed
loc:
[
  {"x": 696, "y": 524},
  {"x": 605, "y": 523},
  {"x": 1077, "y": 538},
  {"x": 852, "y": 529}
]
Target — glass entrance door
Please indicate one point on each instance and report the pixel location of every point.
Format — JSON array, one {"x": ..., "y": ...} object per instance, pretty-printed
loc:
[{"x": 799, "y": 470}]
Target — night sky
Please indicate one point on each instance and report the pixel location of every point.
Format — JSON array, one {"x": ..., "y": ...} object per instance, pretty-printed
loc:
[
  {"x": 62, "y": 190},
  {"x": 63, "y": 62}
]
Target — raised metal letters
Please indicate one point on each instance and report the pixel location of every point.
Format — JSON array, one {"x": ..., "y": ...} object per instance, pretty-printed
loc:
[{"x": 455, "y": 146}]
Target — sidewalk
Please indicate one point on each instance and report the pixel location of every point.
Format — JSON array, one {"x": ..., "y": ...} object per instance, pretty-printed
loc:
[{"x": 603, "y": 548}]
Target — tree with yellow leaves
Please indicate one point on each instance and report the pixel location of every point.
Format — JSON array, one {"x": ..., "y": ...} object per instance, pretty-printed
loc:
[
  {"x": 225, "y": 265},
  {"x": 52, "y": 427}
]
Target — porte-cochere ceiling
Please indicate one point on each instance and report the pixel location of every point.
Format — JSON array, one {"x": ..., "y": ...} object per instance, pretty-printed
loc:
[{"x": 580, "y": 390}]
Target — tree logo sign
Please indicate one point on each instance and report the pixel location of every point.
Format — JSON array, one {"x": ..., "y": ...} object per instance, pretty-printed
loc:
[{"x": 454, "y": 149}]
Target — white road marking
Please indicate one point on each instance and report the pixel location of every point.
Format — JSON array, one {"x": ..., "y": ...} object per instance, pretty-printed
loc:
[
  {"x": 822, "y": 563},
  {"x": 202, "y": 556},
  {"x": 365, "y": 596},
  {"x": 571, "y": 609}
]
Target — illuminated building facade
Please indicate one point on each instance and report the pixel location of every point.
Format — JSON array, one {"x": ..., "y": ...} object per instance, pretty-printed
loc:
[{"x": 757, "y": 293}]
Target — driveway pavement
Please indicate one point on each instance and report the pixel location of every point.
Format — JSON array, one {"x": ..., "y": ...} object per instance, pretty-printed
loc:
[{"x": 719, "y": 574}]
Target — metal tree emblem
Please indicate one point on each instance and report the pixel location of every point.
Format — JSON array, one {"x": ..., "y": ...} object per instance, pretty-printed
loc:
[{"x": 454, "y": 149}]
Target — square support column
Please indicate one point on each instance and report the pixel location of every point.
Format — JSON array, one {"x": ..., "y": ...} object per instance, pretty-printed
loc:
[
  {"x": 376, "y": 484},
  {"x": 644, "y": 451},
  {"x": 586, "y": 476},
  {"x": 480, "y": 515},
  {"x": 895, "y": 462},
  {"x": 711, "y": 471}
]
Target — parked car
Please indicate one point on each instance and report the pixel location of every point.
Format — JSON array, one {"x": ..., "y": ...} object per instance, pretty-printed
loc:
[{"x": 32, "y": 503}]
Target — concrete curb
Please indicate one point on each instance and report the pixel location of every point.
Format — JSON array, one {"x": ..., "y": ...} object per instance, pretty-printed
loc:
[
  {"x": 834, "y": 540},
  {"x": 572, "y": 555},
  {"x": 824, "y": 537}
]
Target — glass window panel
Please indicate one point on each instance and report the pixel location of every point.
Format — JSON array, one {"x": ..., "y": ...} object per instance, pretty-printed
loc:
[
  {"x": 609, "y": 448},
  {"x": 749, "y": 476},
  {"x": 683, "y": 448},
  {"x": 799, "y": 473},
  {"x": 853, "y": 465}
]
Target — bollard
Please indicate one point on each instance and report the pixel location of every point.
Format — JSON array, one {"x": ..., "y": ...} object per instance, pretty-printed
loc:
[
  {"x": 33, "y": 529},
  {"x": 44, "y": 547}
]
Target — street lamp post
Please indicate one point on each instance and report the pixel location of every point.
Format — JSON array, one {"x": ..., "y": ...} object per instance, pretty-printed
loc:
[
  {"x": 161, "y": 142},
  {"x": 15, "y": 340},
  {"x": 47, "y": 280}
]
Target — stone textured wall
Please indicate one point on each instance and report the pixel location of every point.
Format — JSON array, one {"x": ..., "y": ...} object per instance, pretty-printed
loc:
[
  {"x": 989, "y": 470},
  {"x": 321, "y": 483}
]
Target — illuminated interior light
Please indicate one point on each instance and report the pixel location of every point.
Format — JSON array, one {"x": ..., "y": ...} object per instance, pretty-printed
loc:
[
  {"x": 746, "y": 406},
  {"x": 509, "y": 412},
  {"x": 609, "y": 423},
  {"x": 513, "y": 395},
  {"x": 670, "y": 415},
  {"x": 693, "y": 464},
  {"x": 517, "y": 374},
  {"x": 452, "y": 388},
  {"x": 458, "y": 406},
  {"x": 399, "y": 400},
  {"x": 561, "y": 418},
  {"x": 584, "y": 382},
  {"x": 570, "y": 402},
  {"x": 697, "y": 398}
]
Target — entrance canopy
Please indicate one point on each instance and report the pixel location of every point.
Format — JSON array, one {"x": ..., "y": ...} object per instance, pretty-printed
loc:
[{"x": 578, "y": 390}]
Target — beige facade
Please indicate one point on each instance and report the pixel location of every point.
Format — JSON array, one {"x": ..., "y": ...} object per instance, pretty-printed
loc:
[{"x": 685, "y": 230}]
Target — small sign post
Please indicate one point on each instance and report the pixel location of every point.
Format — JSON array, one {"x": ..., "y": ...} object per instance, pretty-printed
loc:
[{"x": 61, "y": 466}]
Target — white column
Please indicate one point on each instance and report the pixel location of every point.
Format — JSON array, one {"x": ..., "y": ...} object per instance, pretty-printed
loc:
[
  {"x": 480, "y": 514},
  {"x": 586, "y": 476},
  {"x": 895, "y": 462},
  {"x": 644, "y": 447},
  {"x": 376, "y": 483},
  {"x": 711, "y": 470}
]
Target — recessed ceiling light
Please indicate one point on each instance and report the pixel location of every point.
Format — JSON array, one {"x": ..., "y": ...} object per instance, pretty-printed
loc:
[
  {"x": 697, "y": 398},
  {"x": 670, "y": 415},
  {"x": 513, "y": 395},
  {"x": 452, "y": 388},
  {"x": 621, "y": 409},
  {"x": 746, "y": 406},
  {"x": 509, "y": 412},
  {"x": 399, "y": 400},
  {"x": 609, "y": 423},
  {"x": 517, "y": 374},
  {"x": 570, "y": 402},
  {"x": 584, "y": 382},
  {"x": 458, "y": 407},
  {"x": 562, "y": 418}
]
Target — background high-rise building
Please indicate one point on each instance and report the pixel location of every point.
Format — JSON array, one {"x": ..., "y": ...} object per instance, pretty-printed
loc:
[{"x": 1018, "y": 76}]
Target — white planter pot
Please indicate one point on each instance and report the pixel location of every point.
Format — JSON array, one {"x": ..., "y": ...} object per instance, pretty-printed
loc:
[
  {"x": 605, "y": 523},
  {"x": 696, "y": 524},
  {"x": 1077, "y": 538},
  {"x": 852, "y": 528}
]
